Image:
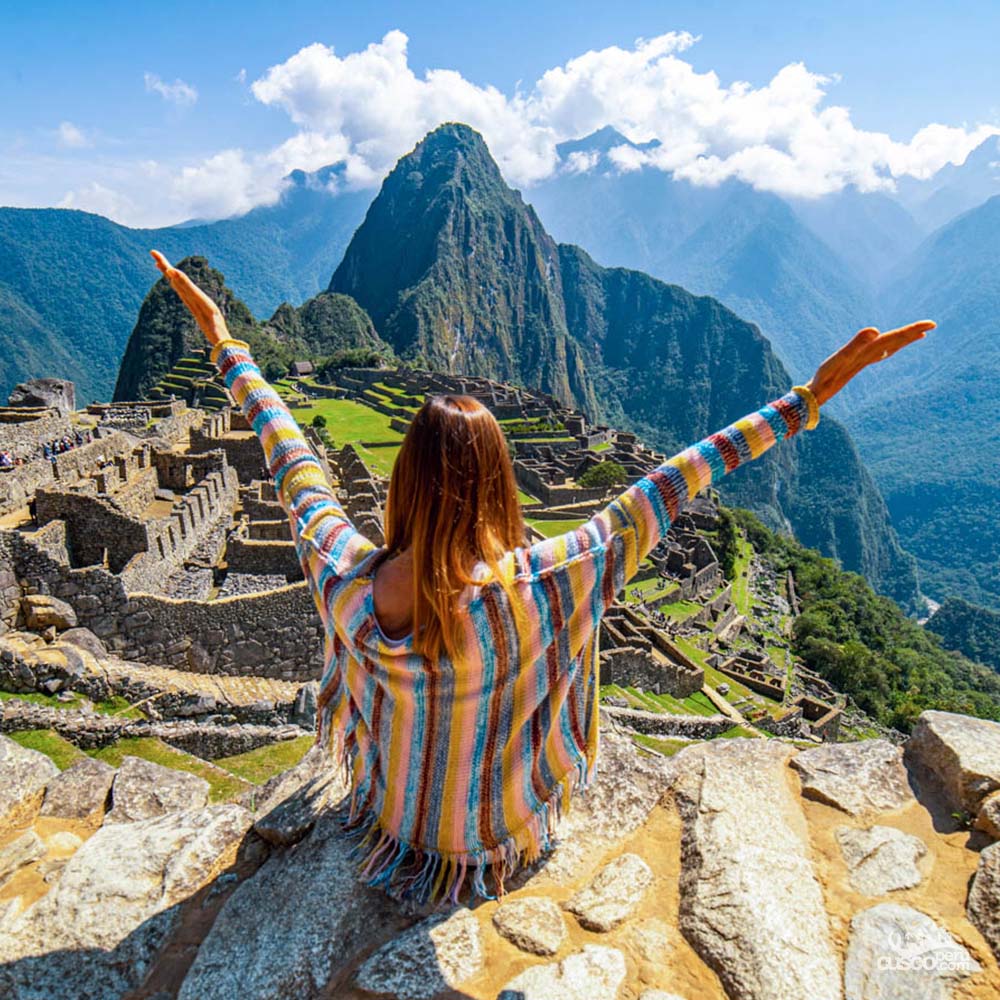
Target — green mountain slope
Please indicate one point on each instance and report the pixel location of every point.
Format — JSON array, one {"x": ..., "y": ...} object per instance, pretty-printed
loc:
[
  {"x": 71, "y": 282},
  {"x": 935, "y": 447},
  {"x": 972, "y": 630},
  {"x": 165, "y": 331},
  {"x": 456, "y": 270}
]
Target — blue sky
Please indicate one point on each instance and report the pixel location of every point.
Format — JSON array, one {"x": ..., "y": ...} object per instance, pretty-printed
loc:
[{"x": 148, "y": 112}]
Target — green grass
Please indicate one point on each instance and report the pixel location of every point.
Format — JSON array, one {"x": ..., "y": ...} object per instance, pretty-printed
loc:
[
  {"x": 61, "y": 752},
  {"x": 680, "y": 610},
  {"x": 741, "y": 576},
  {"x": 650, "y": 585},
  {"x": 381, "y": 459},
  {"x": 552, "y": 528},
  {"x": 736, "y": 732},
  {"x": 526, "y": 497},
  {"x": 646, "y": 701},
  {"x": 258, "y": 765},
  {"x": 604, "y": 446},
  {"x": 349, "y": 421},
  {"x": 223, "y": 785},
  {"x": 117, "y": 705},
  {"x": 664, "y": 747},
  {"x": 37, "y": 698}
]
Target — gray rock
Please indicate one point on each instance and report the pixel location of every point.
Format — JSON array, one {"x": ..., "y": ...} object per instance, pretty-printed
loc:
[
  {"x": 289, "y": 804},
  {"x": 42, "y": 610},
  {"x": 59, "y": 393},
  {"x": 142, "y": 790},
  {"x": 659, "y": 995},
  {"x": 750, "y": 903},
  {"x": 9, "y": 909},
  {"x": 613, "y": 894},
  {"x": 63, "y": 841},
  {"x": 595, "y": 973},
  {"x": 533, "y": 923},
  {"x": 287, "y": 930},
  {"x": 960, "y": 754},
  {"x": 983, "y": 905},
  {"x": 96, "y": 933},
  {"x": 80, "y": 791},
  {"x": 304, "y": 709},
  {"x": 436, "y": 955},
  {"x": 24, "y": 774},
  {"x": 898, "y": 953},
  {"x": 988, "y": 819},
  {"x": 627, "y": 787},
  {"x": 19, "y": 852},
  {"x": 862, "y": 778},
  {"x": 85, "y": 639},
  {"x": 881, "y": 859}
]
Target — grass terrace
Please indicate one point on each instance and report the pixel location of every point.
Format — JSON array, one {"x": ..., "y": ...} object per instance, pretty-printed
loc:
[{"x": 552, "y": 528}]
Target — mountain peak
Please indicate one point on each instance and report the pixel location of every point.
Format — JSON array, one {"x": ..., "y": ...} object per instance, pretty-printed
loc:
[{"x": 602, "y": 141}]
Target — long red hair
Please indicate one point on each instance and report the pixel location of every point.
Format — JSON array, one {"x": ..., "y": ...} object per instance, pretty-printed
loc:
[{"x": 452, "y": 501}]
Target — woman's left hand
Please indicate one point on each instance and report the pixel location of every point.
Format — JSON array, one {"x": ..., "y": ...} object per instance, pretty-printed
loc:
[{"x": 206, "y": 313}]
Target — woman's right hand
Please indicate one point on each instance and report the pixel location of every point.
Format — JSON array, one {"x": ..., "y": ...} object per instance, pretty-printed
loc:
[
  {"x": 866, "y": 348},
  {"x": 206, "y": 313}
]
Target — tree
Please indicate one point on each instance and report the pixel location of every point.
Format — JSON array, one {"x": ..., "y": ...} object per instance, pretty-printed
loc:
[
  {"x": 606, "y": 473},
  {"x": 319, "y": 421}
]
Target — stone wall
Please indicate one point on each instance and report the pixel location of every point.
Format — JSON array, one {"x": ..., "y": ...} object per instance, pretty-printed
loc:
[
  {"x": 23, "y": 430},
  {"x": 630, "y": 666},
  {"x": 694, "y": 727},
  {"x": 272, "y": 634}
]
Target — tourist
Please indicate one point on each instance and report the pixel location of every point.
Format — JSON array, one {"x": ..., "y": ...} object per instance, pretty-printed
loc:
[{"x": 461, "y": 665}]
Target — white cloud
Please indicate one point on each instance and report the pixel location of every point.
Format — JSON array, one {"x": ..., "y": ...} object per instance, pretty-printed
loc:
[
  {"x": 97, "y": 198},
  {"x": 365, "y": 109},
  {"x": 782, "y": 136},
  {"x": 69, "y": 136},
  {"x": 178, "y": 92}
]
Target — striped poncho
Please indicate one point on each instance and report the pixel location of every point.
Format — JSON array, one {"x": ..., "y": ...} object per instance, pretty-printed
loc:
[{"x": 460, "y": 770}]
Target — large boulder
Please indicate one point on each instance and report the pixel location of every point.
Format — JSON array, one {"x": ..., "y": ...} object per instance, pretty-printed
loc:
[
  {"x": 80, "y": 792},
  {"x": 301, "y": 920},
  {"x": 612, "y": 895},
  {"x": 96, "y": 933},
  {"x": 435, "y": 956},
  {"x": 532, "y": 923},
  {"x": 983, "y": 906},
  {"x": 862, "y": 779},
  {"x": 898, "y": 953},
  {"x": 750, "y": 903},
  {"x": 988, "y": 819},
  {"x": 142, "y": 790},
  {"x": 287, "y": 807},
  {"x": 595, "y": 973},
  {"x": 20, "y": 851},
  {"x": 42, "y": 610},
  {"x": 881, "y": 859},
  {"x": 24, "y": 773},
  {"x": 58, "y": 393},
  {"x": 960, "y": 754}
]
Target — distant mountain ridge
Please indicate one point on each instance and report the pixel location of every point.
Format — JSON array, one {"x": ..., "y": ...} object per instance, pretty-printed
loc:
[
  {"x": 73, "y": 322},
  {"x": 457, "y": 272}
]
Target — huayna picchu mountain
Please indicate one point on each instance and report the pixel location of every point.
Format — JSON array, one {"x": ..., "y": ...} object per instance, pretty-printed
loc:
[
  {"x": 165, "y": 331},
  {"x": 457, "y": 272}
]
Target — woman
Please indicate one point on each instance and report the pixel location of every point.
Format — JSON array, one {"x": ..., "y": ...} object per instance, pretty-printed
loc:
[{"x": 460, "y": 686}]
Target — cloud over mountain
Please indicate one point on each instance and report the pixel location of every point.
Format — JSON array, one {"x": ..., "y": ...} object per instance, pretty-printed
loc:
[{"x": 365, "y": 109}]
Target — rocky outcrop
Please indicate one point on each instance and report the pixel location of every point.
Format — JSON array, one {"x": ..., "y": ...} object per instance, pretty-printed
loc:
[
  {"x": 42, "y": 611},
  {"x": 960, "y": 754},
  {"x": 881, "y": 859},
  {"x": 595, "y": 973},
  {"x": 21, "y": 851},
  {"x": 984, "y": 897},
  {"x": 286, "y": 932},
  {"x": 142, "y": 790},
  {"x": 81, "y": 791},
  {"x": 57, "y": 393},
  {"x": 898, "y": 953},
  {"x": 436, "y": 955},
  {"x": 751, "y": 905},
  {"x": 25, "y": 774},
  {"x": 988, "y": 819},
  {"x": 612, "y": 895},
  {"x": 861, "y": 779},
  {"x": 98, "y": 930},
  {"x": 533, "y": 923}
]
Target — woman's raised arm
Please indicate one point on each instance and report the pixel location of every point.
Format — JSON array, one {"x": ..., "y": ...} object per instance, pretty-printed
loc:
[
  {"x": 328, "y": 544},
  {"x": 602, "y": 555}
]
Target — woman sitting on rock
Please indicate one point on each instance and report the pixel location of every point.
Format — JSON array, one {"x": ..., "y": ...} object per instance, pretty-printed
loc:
[{"x": 461, "y": 682}]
